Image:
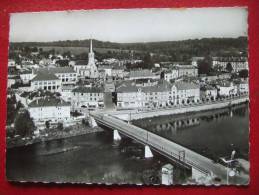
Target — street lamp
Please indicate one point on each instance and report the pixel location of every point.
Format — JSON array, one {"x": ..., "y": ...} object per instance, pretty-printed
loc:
[{"x": 232, "y": 172}]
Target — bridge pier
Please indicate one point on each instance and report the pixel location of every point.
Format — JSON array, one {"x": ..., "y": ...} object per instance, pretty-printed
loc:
[
  {"x": 200, "y": 177},
  {"x": 148, "y": 152},
  {"x": 167, "y": 174},
  {"x": 92, "y": 122},
  {"x": 116, "y": 135}
]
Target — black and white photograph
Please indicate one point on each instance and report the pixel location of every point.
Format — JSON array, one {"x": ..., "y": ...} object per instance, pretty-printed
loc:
[{"x": 129, "y": 96}]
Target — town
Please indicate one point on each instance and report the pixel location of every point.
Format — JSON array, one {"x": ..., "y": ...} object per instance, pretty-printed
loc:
[{"x": 53, "y": 93}]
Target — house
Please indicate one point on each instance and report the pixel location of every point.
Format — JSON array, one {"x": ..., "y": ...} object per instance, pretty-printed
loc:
[
  {"x": 187, "y": 70},
  {"x": 26, "y": 75},
  {"x": 87, "y": 98},
  {"x": 49, "y": 109},
  {"x": 226, "y": 89},
  {"x": 187, "y": 92},
  {"x": 242, "y": 86},
  {"x": 168, "y": 75},
  {"x": 208, "y": 92}
]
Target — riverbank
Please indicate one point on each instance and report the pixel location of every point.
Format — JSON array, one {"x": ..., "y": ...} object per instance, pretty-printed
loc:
[
  {"x": 75, "y": 130},
  {"x": 135, "y": 114}
]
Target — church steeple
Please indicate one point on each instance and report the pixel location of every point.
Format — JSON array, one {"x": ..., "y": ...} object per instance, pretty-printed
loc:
[
  {"x": 91, "y": 54},
  {"x": 91, "y": 46}
]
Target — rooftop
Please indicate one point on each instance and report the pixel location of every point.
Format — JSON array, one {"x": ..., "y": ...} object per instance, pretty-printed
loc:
[
  {"x": 56, "y": 70},
  {"x": 186, "y": 85},
  {"x": 45, "y": 76},
  {"x": 83, "y": 89},
  {"x": 48, "y": 102},
  {"x": 141, "y": 73}
]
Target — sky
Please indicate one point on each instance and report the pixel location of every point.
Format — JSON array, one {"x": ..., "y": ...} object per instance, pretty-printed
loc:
[{"x": 129, "y": 25}]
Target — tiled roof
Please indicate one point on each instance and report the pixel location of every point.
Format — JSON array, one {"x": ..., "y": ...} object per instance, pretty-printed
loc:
[
  {"x": 140, "y": 73},
  {"x": 88, "y": 89},
  {"x": 56, "y": 70},
  {"x": 45, "y": 76},
  {"x": 186, "y": 85},
  {"x": 131, "y": 87},
  {"x": 48, "y": 101}
]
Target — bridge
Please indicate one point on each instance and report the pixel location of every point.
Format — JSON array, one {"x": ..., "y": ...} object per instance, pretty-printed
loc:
[{"x": 201, "y": 166}]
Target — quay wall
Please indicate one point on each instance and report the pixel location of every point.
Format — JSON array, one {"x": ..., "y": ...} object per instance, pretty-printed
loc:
[{"x": 134, "y": 114}]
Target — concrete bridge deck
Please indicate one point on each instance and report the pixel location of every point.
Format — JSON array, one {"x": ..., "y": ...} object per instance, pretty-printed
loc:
[{"x": 164, "y": 146}]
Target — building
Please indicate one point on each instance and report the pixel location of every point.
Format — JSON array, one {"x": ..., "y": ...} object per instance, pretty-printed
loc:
[
  {"x": 208, "y": 92},
  {"x": 142, "y": 74},
  {"x": 87, "y": 98},
  {"x": 46, "y": 81},
  {"x": 187, "y": 92},
  {"x": 195, "y": 60},
  {"x": 237, "y": 63},
  {"x": 156, "y": 94},
  {"x": 168, "y": 75},
  {"x": 242, "y": 86},
  {"x": 131, "y": 95},
  {"x": 27, "y": 75},
  {"x": 187, "y": 70},
  {"x": 49, "y": 109},
  {"x": 88, "y": 70},
  {"x": 226, "y": 89},
  {"x": 67, "y": 75}
]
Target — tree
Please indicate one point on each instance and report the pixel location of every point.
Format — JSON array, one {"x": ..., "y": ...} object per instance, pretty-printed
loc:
[
  {"x": 147, "y": 61},
  {"x": 47, "y": 124},
  {"x": 204, "y": 66},
  {"x": 243, "y": 73},
  {"x": 60, "y": 126},
  {"x": 229, "y": 67},
  {"x": 24, "y": 125}
]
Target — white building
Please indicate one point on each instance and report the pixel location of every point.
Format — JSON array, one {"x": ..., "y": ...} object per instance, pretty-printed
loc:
[
  {"x": 157, "y": 95},
  {"x": 187, "y": 70},
  {"x": 130, "y": 95},
  {"x": 67, "y": 75},
  {"x": 87, "y": 98},
  {"x": 187, "y": 92},
  {"x": 49, "y": 109},
  {"x": 243, "y": 87},
  {"x": 170, "y": 74},
  {"x": 46, "y": 81},
  {"x": 227, "y": 89},
  {"x": 237, "y": 63}
]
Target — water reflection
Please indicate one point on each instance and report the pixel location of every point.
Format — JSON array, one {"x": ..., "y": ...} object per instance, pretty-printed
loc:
[{"x": 211, "y": 133}]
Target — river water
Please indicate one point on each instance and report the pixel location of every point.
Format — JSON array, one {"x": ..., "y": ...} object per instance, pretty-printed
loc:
[{"x": 96, "y": 158}]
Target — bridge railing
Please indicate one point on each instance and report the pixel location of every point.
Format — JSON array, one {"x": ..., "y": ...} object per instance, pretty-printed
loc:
[{"x": 150, "y": 139}]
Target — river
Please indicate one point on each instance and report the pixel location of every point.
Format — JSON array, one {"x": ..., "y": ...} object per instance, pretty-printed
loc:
[{"x": 96, "y": 158}]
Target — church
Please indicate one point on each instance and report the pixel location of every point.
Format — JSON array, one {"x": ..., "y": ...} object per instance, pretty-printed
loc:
[{"x": 88, "y": 70}]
